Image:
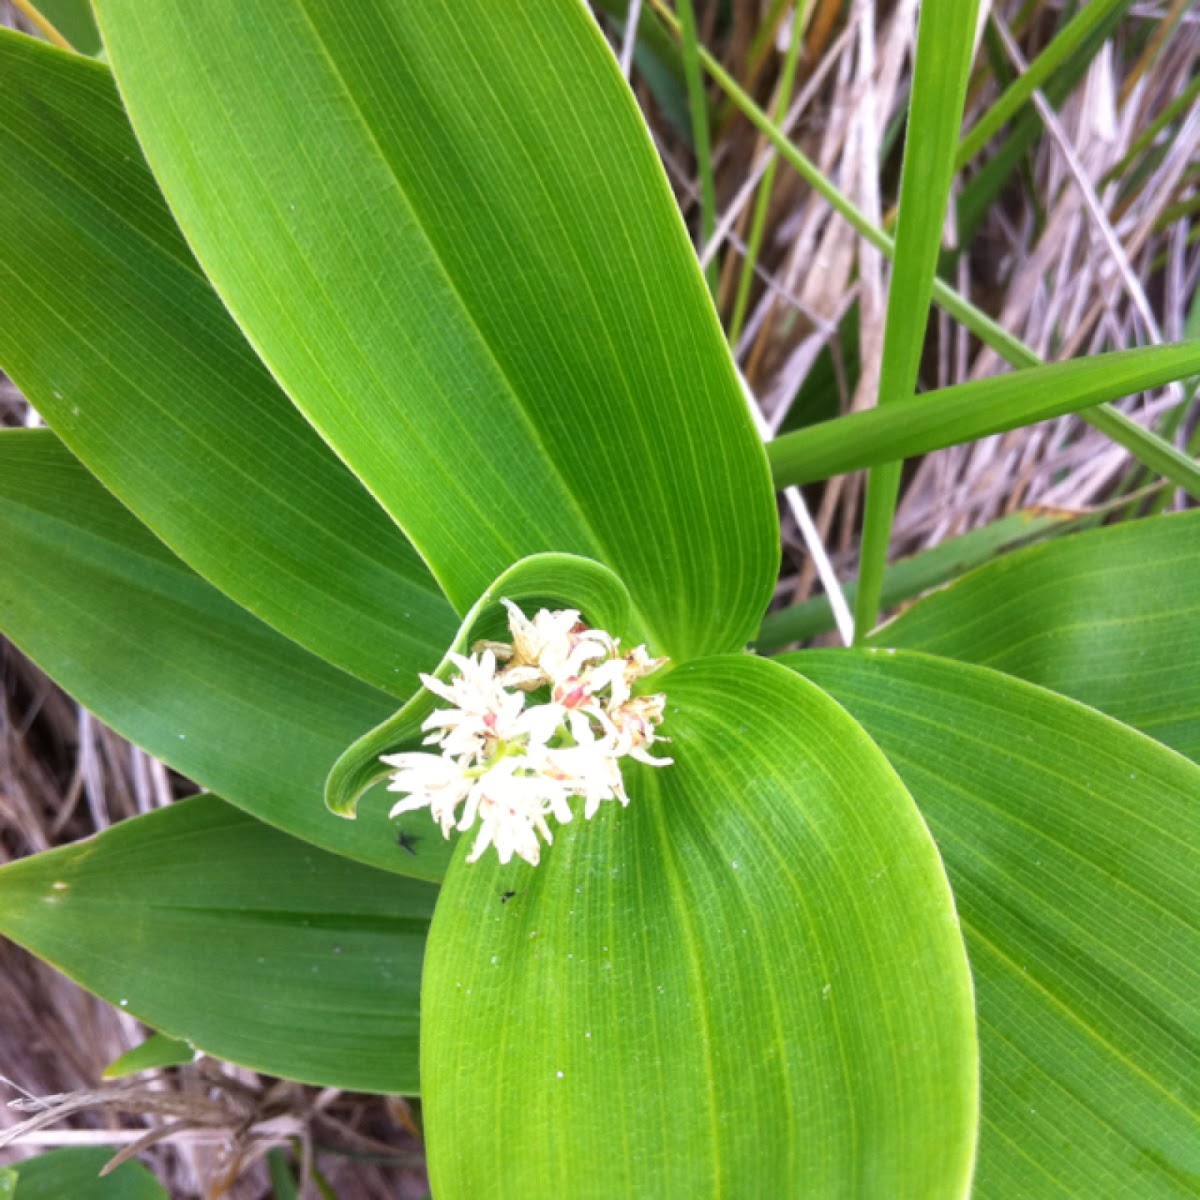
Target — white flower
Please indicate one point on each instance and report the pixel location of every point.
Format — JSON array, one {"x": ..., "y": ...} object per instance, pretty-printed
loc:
[
  {"x": 475, "y": 687},
  {"x": 481, "y": 708},
  {"x": 441, "y": 783},
  {"x": 509, "y": 764},
  {"x": 636, "y": 722},
  {"x": 547, "y": 636},
  {"x": 590, "y": 767},
  {"x": 551, "y": 648},
  {"x": 511, "y": 803}
]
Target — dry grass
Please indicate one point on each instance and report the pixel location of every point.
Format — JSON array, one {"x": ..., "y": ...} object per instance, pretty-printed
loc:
[
  {"x": 1067, "y": 258},
  {"x": 1070, "y": 260}
]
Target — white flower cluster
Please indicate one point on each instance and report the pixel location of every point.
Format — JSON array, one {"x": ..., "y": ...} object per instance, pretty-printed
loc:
[{"x": 510, "y": 763}]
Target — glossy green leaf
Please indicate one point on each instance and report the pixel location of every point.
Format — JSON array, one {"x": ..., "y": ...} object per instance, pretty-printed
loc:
[
  {"x": 941, "y": 66},
  {"x": 445, "y": 229},
  {"x": 1110, "y": 617},
  {"x": 541, "y": 581},
  {"x": 248, "y": 944},
  {"x": 750, "y": 982},
  {"x": 165, "y": 659},
  {"x": 1072, "y": 845},
  {"x": 114, "y": 335},
  {"x": 157, "y": 1051},
  {"x": 973, "y": 410},
  {"x": 74, "y": 1174}
]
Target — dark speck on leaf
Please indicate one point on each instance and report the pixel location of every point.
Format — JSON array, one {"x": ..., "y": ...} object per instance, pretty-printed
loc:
[
  {"x": 407, "y": 842},
  {"x": 507, "y": 897}
]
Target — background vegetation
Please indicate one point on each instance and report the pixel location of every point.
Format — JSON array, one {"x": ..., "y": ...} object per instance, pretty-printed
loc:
[{"x": 1075, "y": 228}]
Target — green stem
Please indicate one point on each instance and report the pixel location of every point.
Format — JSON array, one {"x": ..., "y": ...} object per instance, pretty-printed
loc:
[
  {"x": 968, "y": 411},
  {"x": 762, "y": 200},
  {"x": 945, "y": 46},
  {"x": 700, "y": 139},
  {"x": 1146, "y": 138},
  {"x": 1017, "y": 94}
]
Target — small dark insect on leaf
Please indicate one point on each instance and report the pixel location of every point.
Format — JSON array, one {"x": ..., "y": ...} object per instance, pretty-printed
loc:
[
  {"x": 407, "y": 842},
  {"x": 507, "y": 897}
]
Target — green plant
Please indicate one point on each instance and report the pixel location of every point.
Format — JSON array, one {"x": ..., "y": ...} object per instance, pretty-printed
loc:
[
  {"x": 74, "y": 1173},
  {"x": 444, "y": 342}
]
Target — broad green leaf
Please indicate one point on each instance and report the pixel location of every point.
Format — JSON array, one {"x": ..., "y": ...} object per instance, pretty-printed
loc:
[
  {"x": 75, "y": 1173},
  {"x": 8, "y": 1183},
  {"x": 750, "y": 982},
  {"x": 445, "y": 229},
  {"x": 1110, "y": 617},
  {"x": 941, "y": 66},
  {"x": 165, "y": 659},
  {"x": 158, "y": 1050},
  {"x": 555, "y": 581},
  {"x": 973, "y": 410},
  {"x": 244, "y": 942},
  {"x": 1071, "y": 843},
  {"x": 114, "y": 335},
  {"x": 909, "y": 577}
]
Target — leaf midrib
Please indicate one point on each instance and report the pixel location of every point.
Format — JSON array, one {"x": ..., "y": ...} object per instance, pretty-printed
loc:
[{"x": 344, "y": 89}]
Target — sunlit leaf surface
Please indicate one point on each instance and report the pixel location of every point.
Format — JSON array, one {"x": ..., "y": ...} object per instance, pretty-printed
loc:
[
  {"x": 1110, "y": 617},
  {"x": 1073, "y": 846},
  {"x": 750, "y": 982},
  {"x": 445, "y": 229},
  {"x": 165, "y": 659}
]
